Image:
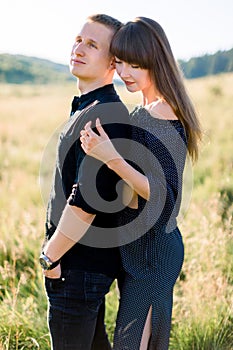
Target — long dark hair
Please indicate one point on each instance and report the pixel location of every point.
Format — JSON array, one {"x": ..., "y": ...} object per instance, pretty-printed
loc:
[{"x": 143, "y": 42}]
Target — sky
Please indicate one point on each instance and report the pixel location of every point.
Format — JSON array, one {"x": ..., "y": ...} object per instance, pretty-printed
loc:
[{"x": 47, "y": 28}]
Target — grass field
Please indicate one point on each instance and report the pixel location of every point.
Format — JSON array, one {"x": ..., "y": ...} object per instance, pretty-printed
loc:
[{"x": 202, "y": 317}]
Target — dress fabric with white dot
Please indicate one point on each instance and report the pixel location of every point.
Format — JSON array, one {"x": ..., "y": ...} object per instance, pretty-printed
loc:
[{"x": 152, "y": 261}]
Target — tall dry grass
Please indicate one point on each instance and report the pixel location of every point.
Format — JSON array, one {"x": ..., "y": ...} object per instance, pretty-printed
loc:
[{"x": 202, "y": 317}]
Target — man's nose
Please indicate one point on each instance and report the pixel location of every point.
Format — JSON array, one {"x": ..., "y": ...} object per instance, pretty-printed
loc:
[{"x": 79, "y": 49}]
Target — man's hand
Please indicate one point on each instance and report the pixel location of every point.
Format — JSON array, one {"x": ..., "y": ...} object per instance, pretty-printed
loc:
[{"x": 54, "y": 273}]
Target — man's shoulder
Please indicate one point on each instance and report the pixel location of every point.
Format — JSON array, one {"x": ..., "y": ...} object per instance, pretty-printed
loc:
[
  {"x": 110, "y": 112},
  {"x": 107, "y": 112}
]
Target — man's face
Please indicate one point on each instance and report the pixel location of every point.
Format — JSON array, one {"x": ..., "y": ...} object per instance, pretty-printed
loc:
[{"x": 90, "y": 59}]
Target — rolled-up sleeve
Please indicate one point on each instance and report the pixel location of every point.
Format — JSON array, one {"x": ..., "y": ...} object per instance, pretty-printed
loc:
[{"x": 97, "y": 188}]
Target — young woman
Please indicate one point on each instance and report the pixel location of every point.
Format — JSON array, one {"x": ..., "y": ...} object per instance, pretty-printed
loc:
[{"x": 163, "y": 128}]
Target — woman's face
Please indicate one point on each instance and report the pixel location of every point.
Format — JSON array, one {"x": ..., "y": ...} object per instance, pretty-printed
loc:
[{"x": 134, "y": 77}]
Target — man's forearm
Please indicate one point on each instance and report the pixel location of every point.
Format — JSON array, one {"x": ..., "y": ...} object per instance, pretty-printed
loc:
[{"x": 72, "y": 226}]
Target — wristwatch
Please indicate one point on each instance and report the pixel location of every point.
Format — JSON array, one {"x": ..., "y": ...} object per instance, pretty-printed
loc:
[{"x": 46, "y": 263}]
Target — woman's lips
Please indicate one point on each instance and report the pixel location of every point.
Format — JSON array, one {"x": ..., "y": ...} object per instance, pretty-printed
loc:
[{"x": 129, "y": 83}]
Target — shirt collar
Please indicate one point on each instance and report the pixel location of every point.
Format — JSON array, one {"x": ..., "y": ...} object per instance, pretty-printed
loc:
[{"x": 80, "y": 102}]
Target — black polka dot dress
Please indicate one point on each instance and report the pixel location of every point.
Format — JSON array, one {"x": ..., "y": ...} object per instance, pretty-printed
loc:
[{"x": 154, "y": 255}]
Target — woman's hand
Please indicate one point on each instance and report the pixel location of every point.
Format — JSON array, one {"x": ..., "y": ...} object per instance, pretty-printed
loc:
[
  {"x": 101, "y": 148},
  {"x": 98, "y": 146}
]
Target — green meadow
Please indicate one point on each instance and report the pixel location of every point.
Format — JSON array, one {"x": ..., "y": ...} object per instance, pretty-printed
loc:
[{"x": 203, "y": 297}]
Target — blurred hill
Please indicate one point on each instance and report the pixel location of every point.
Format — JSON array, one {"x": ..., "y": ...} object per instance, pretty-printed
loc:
[{"x": 19, "y": 69}]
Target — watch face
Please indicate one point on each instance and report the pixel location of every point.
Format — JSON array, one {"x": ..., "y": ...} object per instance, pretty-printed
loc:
[{"x": 44, "y": 264}]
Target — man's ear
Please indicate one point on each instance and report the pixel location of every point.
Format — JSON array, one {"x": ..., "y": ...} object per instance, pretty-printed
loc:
[{"x": 113, "y": 63}]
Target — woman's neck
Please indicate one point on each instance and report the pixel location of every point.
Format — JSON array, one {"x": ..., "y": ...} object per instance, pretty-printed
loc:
[{"x": 150, "y": 96}]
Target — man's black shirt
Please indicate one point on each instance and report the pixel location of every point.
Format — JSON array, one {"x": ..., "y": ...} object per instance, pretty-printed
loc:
[{"x": 73, "y": 167}]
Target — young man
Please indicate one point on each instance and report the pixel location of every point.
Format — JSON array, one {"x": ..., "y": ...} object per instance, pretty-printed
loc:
[{"x": 79, "y": 275}]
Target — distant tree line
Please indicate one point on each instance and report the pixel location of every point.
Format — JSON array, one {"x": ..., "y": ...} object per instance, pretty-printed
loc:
[
  {"x": 19, "y": 69},
  {"x": 220, "y": 62}
]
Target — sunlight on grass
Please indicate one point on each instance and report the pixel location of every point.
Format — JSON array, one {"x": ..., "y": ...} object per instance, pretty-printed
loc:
[{"x": 202, "y": 317}]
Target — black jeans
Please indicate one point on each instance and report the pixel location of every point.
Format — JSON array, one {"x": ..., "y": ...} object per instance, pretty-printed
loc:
[{"x": 76, "y": 307}]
